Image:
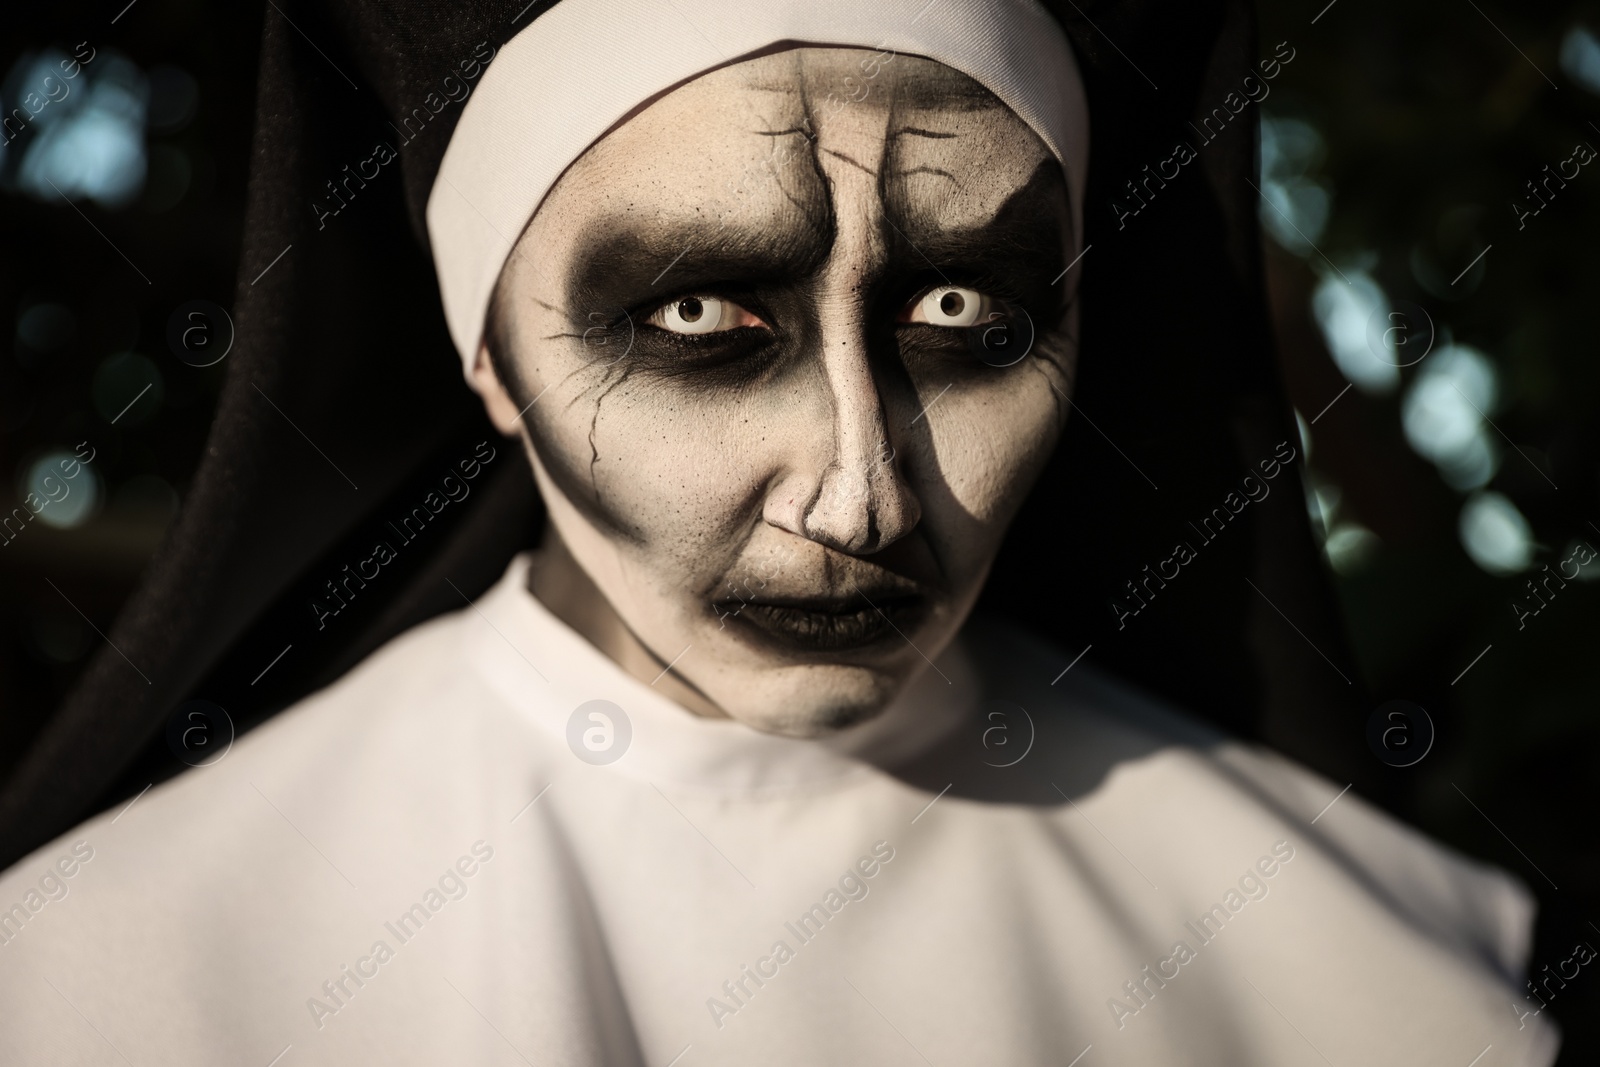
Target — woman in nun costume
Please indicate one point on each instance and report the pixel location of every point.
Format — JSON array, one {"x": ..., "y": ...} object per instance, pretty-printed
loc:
[{"x": 843, "y": 619}]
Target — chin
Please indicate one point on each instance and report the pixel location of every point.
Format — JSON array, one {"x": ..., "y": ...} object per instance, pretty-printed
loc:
[{"x": 812, "y": 701}]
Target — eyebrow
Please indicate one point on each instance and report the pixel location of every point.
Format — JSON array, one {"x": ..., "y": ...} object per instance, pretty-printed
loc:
[
  {"x": 1011, "y": 244},
  {"x": 938, "y": 88},
  {"x": 621, "y": 262}
]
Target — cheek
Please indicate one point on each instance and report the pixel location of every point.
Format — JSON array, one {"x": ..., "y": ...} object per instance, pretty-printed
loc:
[
  {"x": 677, "y": 467},
  {"x": 681, "y": 472},
  {"x": 989, "y": 446}
]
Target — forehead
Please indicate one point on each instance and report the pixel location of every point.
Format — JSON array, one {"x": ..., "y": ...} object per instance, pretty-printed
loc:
[{"x": 764, "y": 135}]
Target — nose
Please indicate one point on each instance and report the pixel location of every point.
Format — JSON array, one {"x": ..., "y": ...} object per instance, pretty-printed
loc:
[{"x": 859, "y": 500}]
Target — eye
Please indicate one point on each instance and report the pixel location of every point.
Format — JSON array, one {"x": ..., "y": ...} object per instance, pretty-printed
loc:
[
  {"x": 701, "y": 314},
  {"x": 951, "y": 305}
]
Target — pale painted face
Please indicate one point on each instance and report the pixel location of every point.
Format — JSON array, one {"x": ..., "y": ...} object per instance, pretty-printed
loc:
[{"x": 750, "y": 315}]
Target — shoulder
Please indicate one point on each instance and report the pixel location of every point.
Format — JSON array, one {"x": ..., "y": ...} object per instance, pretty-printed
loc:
[
  {"x": 1106, "y": 743},
  {"x": 314, "y": 792},
  {"x": 269, "y": 855},
  {"x": 1477, "y": 909}
]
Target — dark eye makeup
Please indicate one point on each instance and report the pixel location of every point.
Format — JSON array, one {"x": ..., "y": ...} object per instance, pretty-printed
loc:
[{"x": 925, "y": 316}]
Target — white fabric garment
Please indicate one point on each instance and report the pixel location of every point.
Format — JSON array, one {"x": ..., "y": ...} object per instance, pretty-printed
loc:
[
  {"x": 583, "y": 66},
  {"x": 577, "y": 914}
]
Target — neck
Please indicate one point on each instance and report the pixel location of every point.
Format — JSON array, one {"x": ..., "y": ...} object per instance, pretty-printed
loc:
[{"x": 557, "y": 581}]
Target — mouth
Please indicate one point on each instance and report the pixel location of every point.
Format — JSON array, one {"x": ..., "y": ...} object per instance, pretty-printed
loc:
[{"x": 827, "y": 624}]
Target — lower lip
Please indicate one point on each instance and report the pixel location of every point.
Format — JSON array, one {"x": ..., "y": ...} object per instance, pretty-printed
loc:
[{"x": 827, "y": 631}]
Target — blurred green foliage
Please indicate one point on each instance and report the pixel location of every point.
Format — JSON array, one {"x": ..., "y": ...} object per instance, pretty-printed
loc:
[{"x": 1433, "y": 117}]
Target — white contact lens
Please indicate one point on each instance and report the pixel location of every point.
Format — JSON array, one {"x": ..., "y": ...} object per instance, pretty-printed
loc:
[
  {"x": 694, "y": 314},
  {"x": 952, "y": 305}
]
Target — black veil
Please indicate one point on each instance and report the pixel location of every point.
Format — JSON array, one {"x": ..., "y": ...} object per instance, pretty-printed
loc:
[{"x": 344, "y": 416}]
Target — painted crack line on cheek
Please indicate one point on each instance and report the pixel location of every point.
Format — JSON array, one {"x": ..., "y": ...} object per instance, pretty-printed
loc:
[{"x": 594, "y": 422}]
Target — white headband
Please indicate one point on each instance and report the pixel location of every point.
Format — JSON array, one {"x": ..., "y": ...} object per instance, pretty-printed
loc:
[{"x": 575, "y": 72}]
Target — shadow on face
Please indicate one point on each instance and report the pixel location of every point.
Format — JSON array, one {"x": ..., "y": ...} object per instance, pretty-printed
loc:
[{"x": 790, "y": 347}]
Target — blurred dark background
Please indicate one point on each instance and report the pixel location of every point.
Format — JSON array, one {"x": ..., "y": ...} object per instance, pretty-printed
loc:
[{"x": 1427, "y": 302}]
